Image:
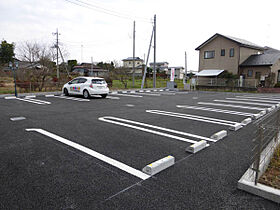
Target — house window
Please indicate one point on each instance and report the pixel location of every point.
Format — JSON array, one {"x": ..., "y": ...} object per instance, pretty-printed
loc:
[
  {"x": 209, "y": 54},
  {"x": 278, "y": 76},
  {"x": 223, "y": 52},
  {"x": 250, "y": 73},
  {"x": 129, "y": 62},
  {"x": 231, "y": 52}
]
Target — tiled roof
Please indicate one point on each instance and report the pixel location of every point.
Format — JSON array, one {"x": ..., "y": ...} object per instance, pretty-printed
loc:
[
  {"x": 241, "y": 42},
  {"x": 268, "y": 58},
  {"x": 131, "y": 59}
]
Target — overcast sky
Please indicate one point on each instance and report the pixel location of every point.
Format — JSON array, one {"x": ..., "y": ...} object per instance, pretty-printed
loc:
[{"x": 105, "y": 31}]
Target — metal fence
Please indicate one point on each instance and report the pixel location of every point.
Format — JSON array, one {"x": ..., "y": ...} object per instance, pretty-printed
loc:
[
  {"x": 222, "y": 82},
  {"x": 265, "y": 141}
]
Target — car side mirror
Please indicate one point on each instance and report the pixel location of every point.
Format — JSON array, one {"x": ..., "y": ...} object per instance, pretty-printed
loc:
[{"x": 69, "y": 83}]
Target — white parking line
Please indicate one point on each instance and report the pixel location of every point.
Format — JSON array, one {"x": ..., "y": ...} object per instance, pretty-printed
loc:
[
  {"x": 10, "y": 97},
  {"x": 147, "y": 94},
  {"x": 17, "y": 118},
  {"x": 216, "y": 110},
  {"x": 114, "y": 98},
  {"x": 31, "y": 96},
  {"x": 166, "y": 93},
  {"x": 30, "y": 101},
  {"x": 40, "y": 101},
  {"x": 233, "y": 106},
  {"x": 242, "y": 102},
  {"x": 70, "y": 98},
  {"x": 262, "y": 98},
  {"x": 128, "y": 95},
  {"x": 114, "y": 120},
  {"x": 194, "y": 117},
  {"x": 256, "y": 100},
  {"x": 95, "y": 154}
]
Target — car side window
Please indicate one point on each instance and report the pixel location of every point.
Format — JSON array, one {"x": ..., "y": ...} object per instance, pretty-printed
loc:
[
  {"x": 98, "y": 81},
  {"x": 74, "y": 81},
  {"x": 82, "y": 80}
]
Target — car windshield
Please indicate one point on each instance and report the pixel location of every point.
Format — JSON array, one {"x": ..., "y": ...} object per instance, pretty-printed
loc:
[{"x": 98, "y": 81}]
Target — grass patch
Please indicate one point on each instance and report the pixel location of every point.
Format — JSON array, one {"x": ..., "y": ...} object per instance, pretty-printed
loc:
[
  {"x": 7, "y": 86},
  {"x": 271, "y": 177},
  {"x": 160, "y": 83}
]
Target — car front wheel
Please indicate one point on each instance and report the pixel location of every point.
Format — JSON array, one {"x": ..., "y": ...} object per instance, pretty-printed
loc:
[
  {"x": 86, "y": 94},
  {"x": 65, "y": 91},
  {"x": 103, "y": 95}
]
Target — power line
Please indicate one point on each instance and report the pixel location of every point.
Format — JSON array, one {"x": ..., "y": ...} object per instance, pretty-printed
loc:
[{"x": 106, "y": 11}]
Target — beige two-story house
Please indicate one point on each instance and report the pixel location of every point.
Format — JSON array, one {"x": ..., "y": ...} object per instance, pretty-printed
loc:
[
  {"x": 240, "y": 57},
  {"x": 225, "y": 53}
]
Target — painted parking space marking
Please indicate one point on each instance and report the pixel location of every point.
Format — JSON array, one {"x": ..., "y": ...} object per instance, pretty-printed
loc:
[
  {"x": 136, "y": 125},
  {"x": 254, "y": 100},
  {"x": 130, "y": 105},
  {"x": 233, "y": 106},
  {"x": 10, "y": 97},
  {"x": 147, "y": 94},
  {"x": 216, "y": 110},
  {"x": 30, "y": 101},
  {"x": 194, "y": 117},
  {"x": 40, "y": 101},
  {"x": 112, "y": 97},
  {"x": 128, "y": 95},
  {"x": 166, "y": 93},
  {"x": 261, "y": 98},
  {"x": 17, "y": 118},
  {"x": 93, "y": 153},
  {"x": 243, "y": 102},
  {"x": 30, "y": 96},
  {"x": 70, "y": 98}
]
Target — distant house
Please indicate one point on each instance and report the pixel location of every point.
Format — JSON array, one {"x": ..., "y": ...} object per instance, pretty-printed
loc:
[
  {"x": 138, "y": 62},
  {"x": 128, "y": 62},
  {"x": 240, "y": 57},
  {"x": 179, "y": 72},
  {"x": 24, "y": 65},
  {"x": 160, "y": 66},
  {"x": 261, "y": 65},
  {"x": 88, "y": 69}
]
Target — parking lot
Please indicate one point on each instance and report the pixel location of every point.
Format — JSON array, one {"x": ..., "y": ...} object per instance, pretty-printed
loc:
[{"x": 75, "y": 153}]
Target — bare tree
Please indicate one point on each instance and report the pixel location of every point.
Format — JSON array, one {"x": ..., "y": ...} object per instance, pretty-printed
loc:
[
  {"x": 122, "y": 74},
  {"x": 40, "y": 57}
]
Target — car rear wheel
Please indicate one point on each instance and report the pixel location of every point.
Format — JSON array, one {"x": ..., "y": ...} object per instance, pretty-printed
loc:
[
  {"x": 86, "y": 94},
  {"x": 103, "y": 95},
  {"x": 65, "y": 91}
]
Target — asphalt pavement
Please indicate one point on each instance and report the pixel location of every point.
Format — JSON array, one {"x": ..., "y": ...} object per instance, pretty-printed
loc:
[{"x": 46, "y": 170}]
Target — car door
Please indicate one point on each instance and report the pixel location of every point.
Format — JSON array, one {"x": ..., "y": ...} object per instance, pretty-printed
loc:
[
  {"x": 73, "y": 86},
  {"x": 82, "y": 84}
]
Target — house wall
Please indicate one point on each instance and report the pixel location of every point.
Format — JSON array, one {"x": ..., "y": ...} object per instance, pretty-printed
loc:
[
  {"x": 220, "y": 62},
  {"x": 264, "y": 70},
  {"x": 129, "y": 64},
  {"x": 246, "y": 52},
  {"x": 179, "y": 73},
  {"x": 275, "y": 68}
]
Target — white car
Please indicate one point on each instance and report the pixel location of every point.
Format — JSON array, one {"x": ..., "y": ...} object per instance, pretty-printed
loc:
[{"x": 86, "y": 86}]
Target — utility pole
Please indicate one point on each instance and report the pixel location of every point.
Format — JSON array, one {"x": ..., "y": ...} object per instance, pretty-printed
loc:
[
  {"x": 186, "y": 70},
  {"x": 81, "y": 53},
  {"x": 63, "y": 61},
  {"x": 57, "y": 67},
  {"x": 147, "y": 60},
  {"x": 91, "y": 64},
  {"x": 154, "y": 69},
  {"x": 133, "y": 62}
]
